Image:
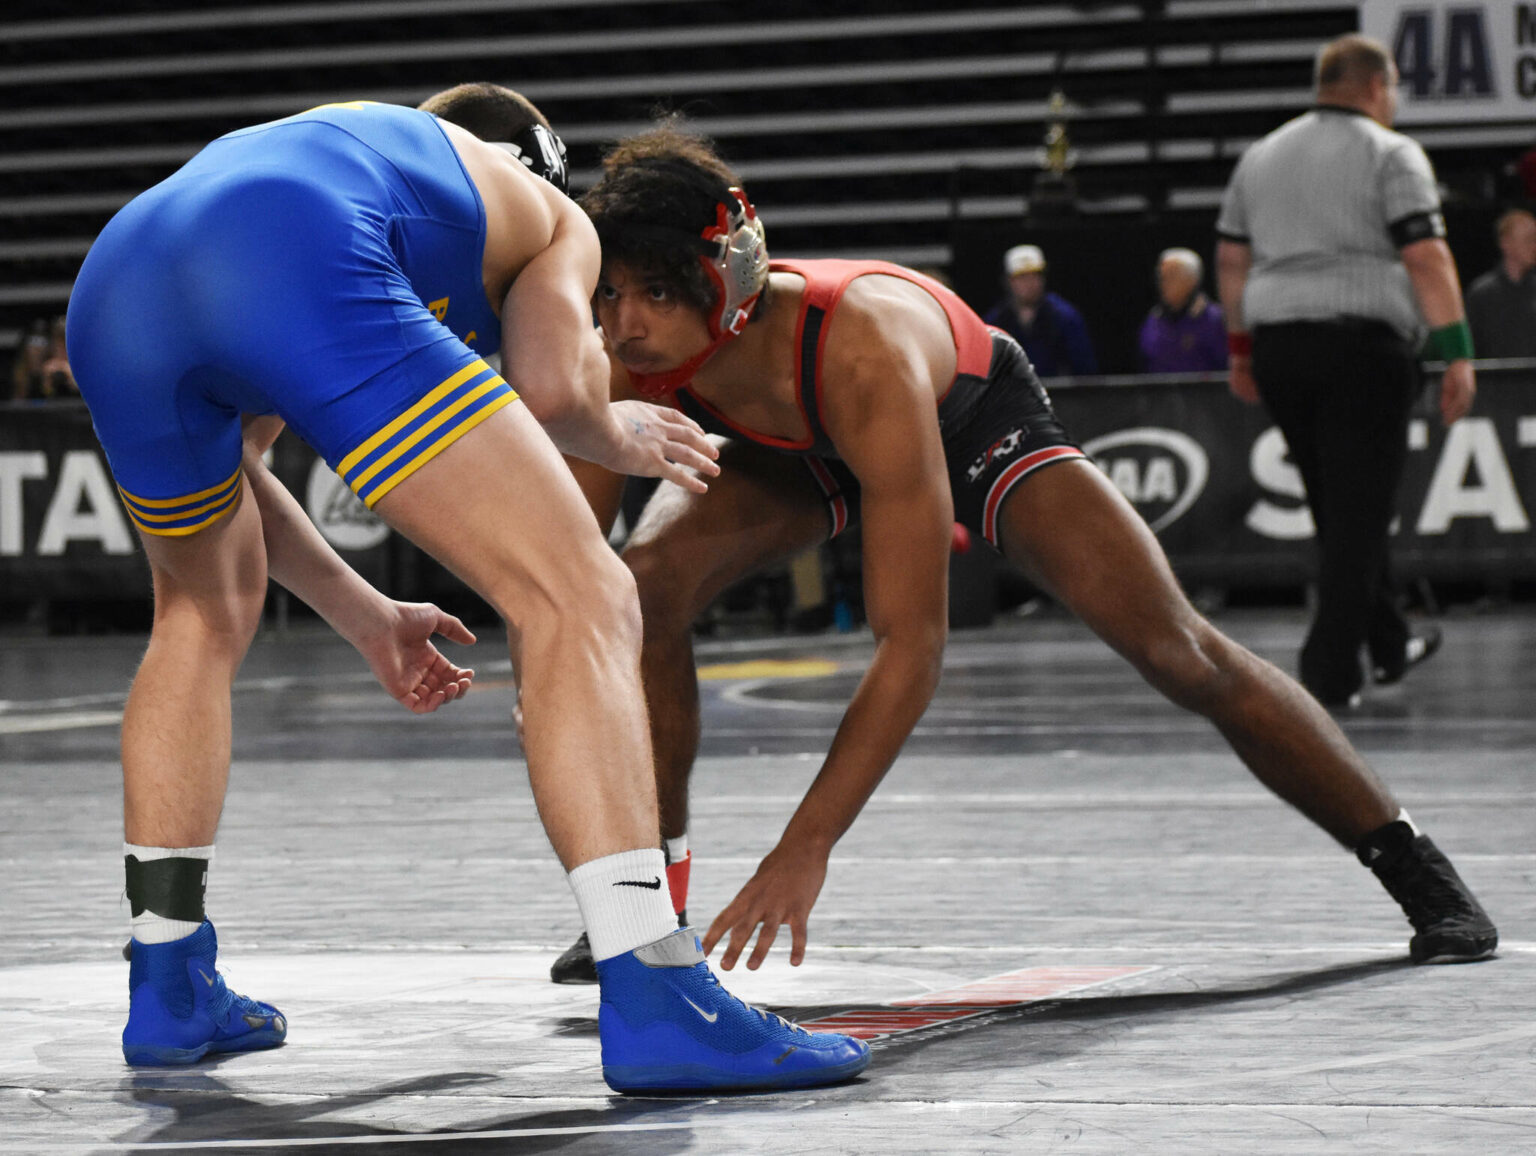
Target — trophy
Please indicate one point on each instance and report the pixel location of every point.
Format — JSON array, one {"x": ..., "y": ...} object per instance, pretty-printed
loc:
[{"x": 1055, "y": 191}]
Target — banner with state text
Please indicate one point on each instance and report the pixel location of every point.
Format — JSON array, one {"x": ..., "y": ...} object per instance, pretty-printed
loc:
[
  {"x": 65, "y": 536},
  {"x": 1212, "y": 477},
  {"x": 1209, "y": 474}
]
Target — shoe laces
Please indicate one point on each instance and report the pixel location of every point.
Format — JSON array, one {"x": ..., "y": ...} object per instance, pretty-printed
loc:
[
  {"x": 222, "y": 998},
  {"x": 1428, "y": 895},
  {"x": 224, "y": 1003},
  {"x": 766, "y": 1016}
]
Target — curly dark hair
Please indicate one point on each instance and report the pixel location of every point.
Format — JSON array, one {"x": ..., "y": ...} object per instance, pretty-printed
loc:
[{"x": 658, "y": 193}]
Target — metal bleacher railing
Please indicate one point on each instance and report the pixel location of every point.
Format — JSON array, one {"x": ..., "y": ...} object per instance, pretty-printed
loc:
[{"x": 862, "y": 127}]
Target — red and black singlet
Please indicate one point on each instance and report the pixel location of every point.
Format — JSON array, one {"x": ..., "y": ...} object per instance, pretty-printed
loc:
[{"x": 825, "y": 282}]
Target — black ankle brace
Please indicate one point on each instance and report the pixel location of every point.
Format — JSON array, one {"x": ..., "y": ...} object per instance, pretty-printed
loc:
[
  {"x": 171, "y": 888},
  {"x": 1385, "y": 845}
]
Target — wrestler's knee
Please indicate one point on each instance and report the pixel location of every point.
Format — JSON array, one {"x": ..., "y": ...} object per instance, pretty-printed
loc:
[
  {"x": 619, "y": 603},
  {"x": 219, "y": 608},
  {"x": 586, "y": 600},
  {"x": 1189, "y": 663},
  {"x": 214, "y": 622}
]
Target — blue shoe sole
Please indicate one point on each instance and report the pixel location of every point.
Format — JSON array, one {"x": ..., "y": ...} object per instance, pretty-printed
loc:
[
  {"x": 149, "y": 1056},
  {"x": 630, "y": 1079}
]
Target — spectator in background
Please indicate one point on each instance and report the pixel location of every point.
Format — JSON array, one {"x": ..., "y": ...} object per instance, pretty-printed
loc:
[
  {"x": 28, "y": 382},
  {"x": 1185, "y": 331},
  {"x": 58, "y": 380},
  {"x": 1051, "y": 330},
  {"x": 1501, "y": 304}
]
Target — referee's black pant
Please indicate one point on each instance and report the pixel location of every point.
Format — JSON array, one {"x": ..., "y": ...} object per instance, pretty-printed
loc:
[{"x": 1341, "y": 392}]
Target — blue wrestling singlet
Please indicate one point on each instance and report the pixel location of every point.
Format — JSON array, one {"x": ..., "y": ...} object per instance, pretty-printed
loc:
[{"x": 326, "y": 268}]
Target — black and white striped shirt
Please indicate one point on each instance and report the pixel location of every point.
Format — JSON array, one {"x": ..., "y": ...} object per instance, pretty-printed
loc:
[{"x": 1325, "y": 202}]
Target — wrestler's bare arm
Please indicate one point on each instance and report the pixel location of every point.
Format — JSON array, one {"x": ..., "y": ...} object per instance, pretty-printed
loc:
[
  {"x": 880, "y": 412},
  {"x": 393, "y": 637},
  {"x": 555, "y": 359},
  {"x": 604, "y": 489}
]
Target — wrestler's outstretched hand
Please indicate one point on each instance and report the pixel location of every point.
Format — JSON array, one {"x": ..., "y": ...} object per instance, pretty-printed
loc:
[
  {"x": 401, "y": 655},
  {"x": 783, "y": 890},
  {"x": 656, "y": 441}
]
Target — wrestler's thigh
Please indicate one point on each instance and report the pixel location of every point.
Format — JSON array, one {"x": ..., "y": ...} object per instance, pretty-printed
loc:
[
  {"x": 1074, "y": 534},
  {"x": 763, "y": 508},
  {"x": 500, "y": 509}
]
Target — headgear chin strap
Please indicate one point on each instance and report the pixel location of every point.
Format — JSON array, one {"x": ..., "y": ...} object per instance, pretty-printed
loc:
[
  {"x": 734, "y": 253},
  {"x": 541, "y": 151}
]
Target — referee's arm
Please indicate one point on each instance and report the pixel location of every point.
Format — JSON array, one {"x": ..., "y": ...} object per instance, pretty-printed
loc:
[
  {"x": 1233, "y": 260},
  {"x": 1432, "y": 270}
]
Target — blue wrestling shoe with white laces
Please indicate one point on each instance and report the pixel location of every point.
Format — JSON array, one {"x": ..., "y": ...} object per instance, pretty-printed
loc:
[
  {"x": 179, "y": 1009},
  {"x": 667, "y": 1025}
]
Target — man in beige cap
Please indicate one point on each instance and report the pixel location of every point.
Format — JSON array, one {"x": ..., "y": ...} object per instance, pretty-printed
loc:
[{"x": 1051, "y": 330}]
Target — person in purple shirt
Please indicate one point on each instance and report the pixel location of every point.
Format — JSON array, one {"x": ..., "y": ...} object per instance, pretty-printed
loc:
[
  {"x": 1051, "y": 330},
  {"x": 1184, "y": 332}
]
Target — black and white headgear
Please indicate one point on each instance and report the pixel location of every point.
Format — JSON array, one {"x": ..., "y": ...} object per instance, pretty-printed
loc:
[{"x": 542, "y": 151}]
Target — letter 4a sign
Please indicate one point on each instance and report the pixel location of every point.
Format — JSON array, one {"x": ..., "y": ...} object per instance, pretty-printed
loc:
[{"x": 1460, "y": 61}]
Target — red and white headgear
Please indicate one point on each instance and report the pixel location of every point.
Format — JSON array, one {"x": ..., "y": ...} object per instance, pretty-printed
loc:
[{"x": 734, "y": 253}]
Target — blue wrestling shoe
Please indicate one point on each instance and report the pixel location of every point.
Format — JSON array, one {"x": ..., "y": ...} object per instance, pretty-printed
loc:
[
  {"x": 179, "y": 1008},
  {"x": 667, "y": 1025}
]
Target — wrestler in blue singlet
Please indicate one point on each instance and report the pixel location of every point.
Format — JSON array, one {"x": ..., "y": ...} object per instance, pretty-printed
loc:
[{"x": 326, "y": 268}]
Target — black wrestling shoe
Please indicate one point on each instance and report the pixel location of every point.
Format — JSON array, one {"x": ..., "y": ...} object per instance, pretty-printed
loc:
[
  {"x": 1450, "y": 925},
  {"x": 1341, "y": 704},
  {"x": 1334, "y": 697},
  {"x": 1419, "y": 648},
  {"x": 576, "y": 964}
]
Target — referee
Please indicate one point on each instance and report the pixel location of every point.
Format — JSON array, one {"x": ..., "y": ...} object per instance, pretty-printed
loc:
[{"x": 1332, "y": 265}]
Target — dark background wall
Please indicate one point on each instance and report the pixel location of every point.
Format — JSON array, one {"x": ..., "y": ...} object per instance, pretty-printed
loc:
[
  {"x": 862, "y": 128},
  {"x": 1104, "y": 266}
]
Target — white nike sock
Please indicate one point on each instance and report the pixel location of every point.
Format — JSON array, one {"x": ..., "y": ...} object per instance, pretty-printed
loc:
[
  {"x": 1402, "y": 817},
  {"x": 677, "y": 849},
  {"x": 147, "y": 926},
  {"x": 624, "y": 901}
]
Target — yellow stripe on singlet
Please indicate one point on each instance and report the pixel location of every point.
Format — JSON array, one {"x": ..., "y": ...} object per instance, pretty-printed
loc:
[
  {"x": 448, "y": 386},
  {"x": 442, "y": 443},
  {"x": 166, "y": 503},
  {"x": 358, "y": 483}
]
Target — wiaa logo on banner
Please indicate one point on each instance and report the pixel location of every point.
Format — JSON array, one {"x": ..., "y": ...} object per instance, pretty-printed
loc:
[
  {"x": 1160, "y": 471},
  {"x": 338, "y": 513}
]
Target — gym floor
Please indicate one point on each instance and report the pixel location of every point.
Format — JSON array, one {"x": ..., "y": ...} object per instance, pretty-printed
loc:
[{"x": 1069, "y": 919}]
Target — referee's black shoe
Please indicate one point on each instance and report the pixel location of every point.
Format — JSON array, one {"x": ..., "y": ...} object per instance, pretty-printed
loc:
[
  {"x": 576, "y": 965},
  {"x": 1450, "y": 925},
  {"x": 1419, "y": 648}
]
